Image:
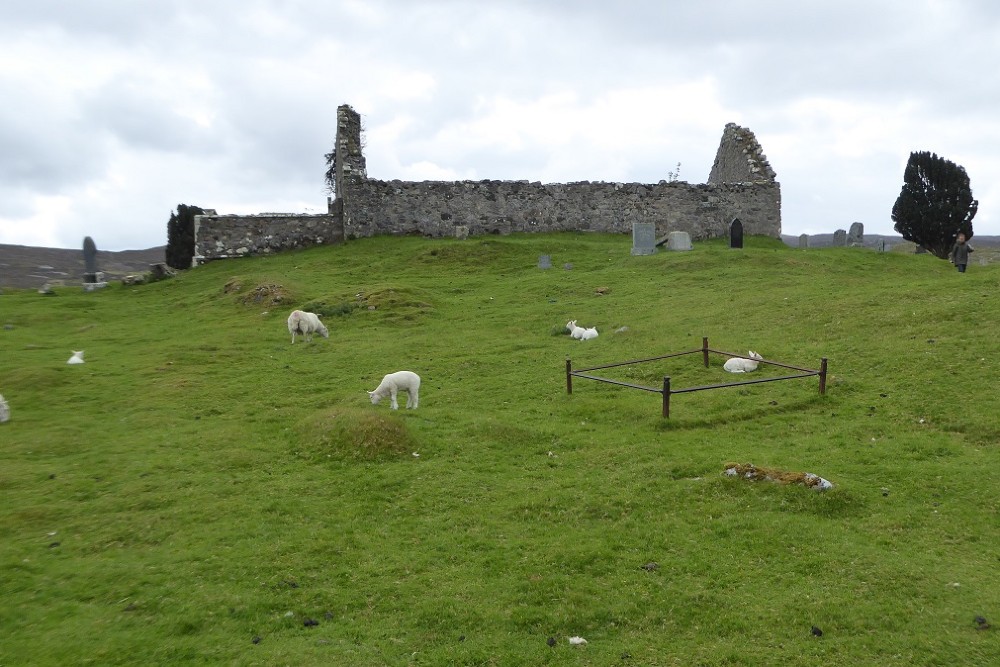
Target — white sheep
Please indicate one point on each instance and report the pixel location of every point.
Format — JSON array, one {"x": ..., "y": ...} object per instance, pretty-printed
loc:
[
  {"x": 407, "y": 381},
  {"x": 4, "y": 410},
  {"x": 77, "y": 357},
  {"x": 301, "y": 322},
  {"x": 575, "y": 331},
  {"x": 589, "y": 333},
  {"x": 741, "y": 365}
]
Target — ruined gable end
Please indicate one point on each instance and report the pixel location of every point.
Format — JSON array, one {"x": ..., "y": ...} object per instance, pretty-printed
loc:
[{"x": 740, "y": 158}]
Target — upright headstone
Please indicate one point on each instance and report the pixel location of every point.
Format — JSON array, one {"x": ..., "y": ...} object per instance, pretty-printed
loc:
[
  {"x": 89, "y": 260},
  {"x": 881, "y": 246},
  {"x": 803, "y": 240},
  {"x": 4, "y": 410},
  {"x": 840, "y": 238},
  {"x": 545, "y": 261},
  {"x": 736, "y": 234},
  {"x": 679, "y": 241},
  {"x": 643, "y": 238},
  {"x": 92, "y": 278},
  {"x": 856, "y": 236}
]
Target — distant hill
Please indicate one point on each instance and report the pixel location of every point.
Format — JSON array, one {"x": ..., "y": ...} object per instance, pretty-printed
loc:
[
  {"x": 31, "y": 267},
  {"x": 871, "y": 240}
]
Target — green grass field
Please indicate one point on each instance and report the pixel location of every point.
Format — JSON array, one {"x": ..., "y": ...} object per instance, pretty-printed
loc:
[{"x": 203, "y": 492}]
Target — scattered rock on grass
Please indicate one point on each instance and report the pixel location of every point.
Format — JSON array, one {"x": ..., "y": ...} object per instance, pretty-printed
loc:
[{"x": 752, "y": 472}]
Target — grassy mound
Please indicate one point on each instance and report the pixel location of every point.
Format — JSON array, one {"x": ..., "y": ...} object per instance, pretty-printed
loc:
[{"x": 358, "y": 434}]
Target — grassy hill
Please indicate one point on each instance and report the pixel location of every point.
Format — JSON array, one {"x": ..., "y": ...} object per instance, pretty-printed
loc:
[{"x": 203, "y": 492}]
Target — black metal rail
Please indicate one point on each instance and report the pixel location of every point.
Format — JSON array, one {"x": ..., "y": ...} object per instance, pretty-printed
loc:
[{"x": 705, "y": 350}]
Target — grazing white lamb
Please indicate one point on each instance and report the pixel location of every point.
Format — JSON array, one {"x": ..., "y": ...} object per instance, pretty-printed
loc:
[
  {"x": 407, "y": 381},
  {"x": 575, "y": 331},
  {"x": 301, "y": 322},
  {"x": 589, "y": 333},
  {"x": 77, "y": 357},
  {"x": 4, "y": 410},
  {"x": 741, "y": 365}
]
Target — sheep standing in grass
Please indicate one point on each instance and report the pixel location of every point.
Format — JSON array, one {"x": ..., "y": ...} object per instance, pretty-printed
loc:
[
  {"x": 741, "y": 365},
  {"x": 392, "y": 383},
  {"x": 306, "y": 324}
]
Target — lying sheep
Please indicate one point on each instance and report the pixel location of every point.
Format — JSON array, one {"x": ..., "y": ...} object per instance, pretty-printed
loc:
[
  {"x": 407, "y": 381},
  {"x": 580, "y": 333},
  {"x": 77, "y": 357},
  {"x": 301, "y": 322},
  {"x": 575, "y": 331},
  {"x": 741, "y": 365}
]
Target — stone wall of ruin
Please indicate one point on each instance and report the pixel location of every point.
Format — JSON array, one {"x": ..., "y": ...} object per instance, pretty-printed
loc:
[
  {"x": 224, "y": 236},
  {"x": 741, "y": 185}
]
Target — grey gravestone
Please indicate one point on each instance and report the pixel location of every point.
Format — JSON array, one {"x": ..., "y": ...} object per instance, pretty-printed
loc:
[
  {"x": 840, "y": 238},
  {"x": 880, "y": 245},
  {"x": 643, "y": 238},
  {"x": 4, "y": 410},
  {"x": 545, "y": 261},
  {"x": 856, "y": 236},
  {"x": 461, "y": 231},
  {"x": 679, "y": 241},
  {"x": 92, "y": 278},
  {"x": 803, "y": 240},
  {"x": 89, "y": 257},
  {"x": 736, "y": 234}
]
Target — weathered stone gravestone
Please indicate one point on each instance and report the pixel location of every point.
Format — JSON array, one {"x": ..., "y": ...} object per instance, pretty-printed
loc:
[
  {"x": 643, "y": 238},
  {"x": 856, "y": 236},
  {"x": 840, "y": 238},
  {"x": 679, "y": 241},
  {"x": 803, "y": 240},
  {"x": 736, "y": 234},
  {"x": 881, "y": 246},
  {"x": 4, "y": 410},
  {"x": 545, "y": 261},
  {"x": 92, "y": 278},
  {"x": 461, "y": 232}
]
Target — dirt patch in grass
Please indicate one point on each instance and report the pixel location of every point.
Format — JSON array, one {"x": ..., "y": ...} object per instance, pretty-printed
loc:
[
  {"x": 267, "y": 294},
  {"x": 354, "y": 434}
]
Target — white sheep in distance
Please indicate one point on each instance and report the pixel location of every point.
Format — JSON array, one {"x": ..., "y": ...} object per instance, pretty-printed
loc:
[
  {"x": 392, "y": 383},
  {"x": 741, "y": 365},
  {"x": 306, "y": 324},
  {"x": 4, "y": 410},
  {"x": 589, "y": 333},
  {"x": 575, "y": 331},
  {"x": 77, "y": 357}
]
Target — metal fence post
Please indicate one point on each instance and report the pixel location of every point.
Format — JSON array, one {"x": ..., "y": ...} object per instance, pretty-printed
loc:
[{"x": 666, "y": 397}]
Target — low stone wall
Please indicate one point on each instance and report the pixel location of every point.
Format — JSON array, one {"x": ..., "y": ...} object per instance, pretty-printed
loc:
[
  {"x": 225, "y": 236},
  {"x": 436, "y": 208}
]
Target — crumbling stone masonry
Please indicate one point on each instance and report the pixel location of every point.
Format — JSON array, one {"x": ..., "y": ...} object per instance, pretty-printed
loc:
[{"x": 741, "y": 185}]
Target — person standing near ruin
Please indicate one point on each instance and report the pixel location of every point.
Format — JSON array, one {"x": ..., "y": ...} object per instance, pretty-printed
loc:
[{"x": 960, "y": 253}]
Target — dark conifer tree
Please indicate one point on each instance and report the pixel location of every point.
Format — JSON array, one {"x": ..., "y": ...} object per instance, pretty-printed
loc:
[
  {"x": 180, "y": 236},
  {"x": 935, "y": 203}
]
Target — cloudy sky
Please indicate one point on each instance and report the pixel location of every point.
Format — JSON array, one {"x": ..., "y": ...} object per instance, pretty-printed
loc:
[{"x": 115, "y": 111}]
